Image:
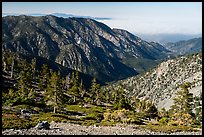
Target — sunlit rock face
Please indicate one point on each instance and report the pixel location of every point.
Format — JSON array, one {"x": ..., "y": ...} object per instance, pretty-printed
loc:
[
  {"x": 82, "y": 44},
  {"x": 161, "y": 83}
]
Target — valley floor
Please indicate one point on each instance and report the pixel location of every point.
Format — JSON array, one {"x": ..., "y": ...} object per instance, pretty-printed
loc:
[{"x": 74, "y": 129}]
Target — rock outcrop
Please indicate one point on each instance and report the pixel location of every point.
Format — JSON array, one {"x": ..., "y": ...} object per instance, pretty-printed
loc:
[{"x": 161, "y": 83}]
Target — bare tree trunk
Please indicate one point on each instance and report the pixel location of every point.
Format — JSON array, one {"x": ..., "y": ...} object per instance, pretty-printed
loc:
[
  {"x": 74, "y": 99},
  {"x": 4, "y": 66},
  {"x": 34, "y": 67},
  {"x": 4, "y": 62},
  {"x": 54, "y": 109},
  {"x": 55, "y": 101},
  {"x": 12, "y": 67}
]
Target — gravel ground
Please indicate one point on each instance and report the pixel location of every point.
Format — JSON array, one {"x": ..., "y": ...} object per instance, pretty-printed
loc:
[{"x": 73, "y": 129}]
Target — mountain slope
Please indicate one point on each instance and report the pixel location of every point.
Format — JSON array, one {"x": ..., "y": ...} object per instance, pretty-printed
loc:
[
  {"x": 81, "y": 44},
  {"x": 8, "y": 82},
  {"x": 185, "y": 47},
  {"x": 161, "y": 83}
]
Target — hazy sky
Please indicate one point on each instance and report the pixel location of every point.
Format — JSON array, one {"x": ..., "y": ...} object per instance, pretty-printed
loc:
[{"x": 136, "y": 17}]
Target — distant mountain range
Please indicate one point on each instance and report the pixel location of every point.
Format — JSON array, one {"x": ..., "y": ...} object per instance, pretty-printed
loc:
[
  {"x": 168, "y": 38},
  {"x": 63, "y": 15},
  {"x": 185, "y": 47}
]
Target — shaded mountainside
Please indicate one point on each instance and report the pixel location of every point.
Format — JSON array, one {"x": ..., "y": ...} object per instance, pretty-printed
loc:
[
  {"x": 81, "y": 44},
  {"x": 185, "y": 47},
  {"x": 161, "y": 83},
  {"x": 8, "y": 82}
]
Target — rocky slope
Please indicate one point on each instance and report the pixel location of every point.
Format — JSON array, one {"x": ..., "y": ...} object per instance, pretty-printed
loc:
[
  {"x": 74, "y": 129},
  {"x": 161, "y": 83},
  {"x": 185, "y": 47},
  {"x": 81, "y": 44}
]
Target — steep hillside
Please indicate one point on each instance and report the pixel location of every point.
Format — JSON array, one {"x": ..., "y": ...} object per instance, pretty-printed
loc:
[
  {"x": 8, "y": 82},
  {"x": 185, "y": 47},
  {"x": 81, "y": 44},
  {"x": 161, "y": 83}
]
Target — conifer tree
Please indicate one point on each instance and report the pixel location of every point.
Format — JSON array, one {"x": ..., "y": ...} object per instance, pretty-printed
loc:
[
  {"x": 54, "y": 94},
  {"x": 152, "y": 111},
  {"x": 107, "y": 96},
  {"x": 8, "y": 59},
  {"x": 33, "y": 68},
  {"x": 24, "y": 79},
  {"x": 123, "y": 103},
  {"x": 68, "y": 81},
  {"x": 163, "y": 113},
  {"x": 82, "y": 90},
  {"x": 44, "y": 77},
  {"x": 95, "y": 91},
  {"x": 182, "y": 103},
  {"x": 115, "y": 96},
  {"x": 198, "y": 108},
  {"x": 74, "y": 89}
]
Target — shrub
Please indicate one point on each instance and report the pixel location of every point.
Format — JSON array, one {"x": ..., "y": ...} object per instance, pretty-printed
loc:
[
  {"x": 11, "y": 121},
  {"x": 195, "y": 123},
  {"x": 168, "y": 128},
  {"x": 163, "y": 120},
  {"x": 64, "y": 121},
  {"x": 119, "y": 115},
  {"x": 107, "y": 115},
  {"x": 90, "y": 117},
  {"x": 172, "y": 123}
]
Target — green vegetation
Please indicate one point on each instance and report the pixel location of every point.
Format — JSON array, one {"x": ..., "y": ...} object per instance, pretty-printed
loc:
[
  {"x": 181, "y": 111},
  {"x": 168, "y": 128},
  {"x": 13, "y": 121},
  {"x": 67, "y": 100},
  {"x": 141, "y": 65}
]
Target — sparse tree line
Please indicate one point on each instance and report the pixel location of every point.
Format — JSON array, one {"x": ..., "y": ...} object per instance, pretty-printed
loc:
[{"x": 46, "y": 87}]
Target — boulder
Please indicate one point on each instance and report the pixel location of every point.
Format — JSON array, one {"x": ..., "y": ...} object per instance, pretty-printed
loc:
[
  {"x": 24, "y": 111},
  {"x": 48, "y": 110},
  {"x": 34, "y": 112},
  {"x": 43, "y": 125},
  {"x": 26, "y": 117}
]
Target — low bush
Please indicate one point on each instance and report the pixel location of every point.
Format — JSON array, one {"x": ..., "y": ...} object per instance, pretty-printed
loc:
[
  {"x": 107, "y": 123},
  {"x": 163, "y": 120},
  {"x": 168, "y": 128},
  {"x": 12, "y": 121}
]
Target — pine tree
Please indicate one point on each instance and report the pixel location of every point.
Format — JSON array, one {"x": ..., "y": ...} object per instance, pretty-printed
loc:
[
  {"x": 116, "y": 95},
  {"x": 44, "y": 77},
  {"x": 163, "y": 113},
  {"x": 124, "y": 103},
  {"x": 68, "y": 81},
  {"x": 74, "y": 88},
  {"x": 54, "y": 94},
  {"x": 95, "y": 92},
  {"x": 182, "y": 104},
  {"x": 8, "y": 60},
  {"x": 198, "y": 108},
  {"x": 24, "y": 80},
  {"x": 107, "y": 96},
  {"x": 134, "y": 102},
  {"x": 33, "y": 68},
  {"x": 82, "y": 90},
  {"x": 152, "y": 111}
]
